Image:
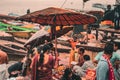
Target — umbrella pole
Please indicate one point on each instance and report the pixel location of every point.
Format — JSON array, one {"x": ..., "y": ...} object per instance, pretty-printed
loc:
[
  {"x": 53, "y": 32},
  {"x": 56, "y": 52}
]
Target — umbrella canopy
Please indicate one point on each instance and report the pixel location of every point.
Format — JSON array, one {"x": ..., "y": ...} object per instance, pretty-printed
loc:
[
  {"x": 58, "y": 17},
  {"x": 98, "y": 14},
  {"x": 101, "y": 13},
  {"x": 40, "y": 36}
]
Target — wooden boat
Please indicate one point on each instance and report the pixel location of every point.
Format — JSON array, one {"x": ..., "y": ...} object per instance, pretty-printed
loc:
[
  {"x": 20, "y": 40},
  {"x": 21, "y": 34},
  {"x": 8, "y": 27},
  {"x": 12, "y": 48}
]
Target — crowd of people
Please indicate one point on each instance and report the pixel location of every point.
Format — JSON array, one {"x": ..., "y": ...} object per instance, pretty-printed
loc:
[{"x": 41, "y": 63}]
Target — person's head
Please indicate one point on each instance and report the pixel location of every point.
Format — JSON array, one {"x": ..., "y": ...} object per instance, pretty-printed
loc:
[
  {"x": 89, "y": 31},
  {"x": 72, "y": 43},
  {"x": 86, "y": 57},
  {"x": 81, "y": 50},
  {"x": 109, "y": 7},
  {"x": 108, "y": 49},
  {"x": 67, "y": 73},
  {"x": 75, "y": 38},
  {"x": 42, "y": 50}
]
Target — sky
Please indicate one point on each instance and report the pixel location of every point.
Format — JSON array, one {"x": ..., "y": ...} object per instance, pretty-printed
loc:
[{"x": 20, "y": 6}]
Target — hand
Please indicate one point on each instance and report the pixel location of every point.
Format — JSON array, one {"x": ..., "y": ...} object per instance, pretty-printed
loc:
[{"x": 15, "y": 72}]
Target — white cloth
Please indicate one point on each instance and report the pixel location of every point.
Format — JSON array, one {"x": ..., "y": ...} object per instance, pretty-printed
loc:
[
  {"x": 118, "y": 51},
  {"x": 3, "y": 71},
  {"x": 78, "y": 70}
]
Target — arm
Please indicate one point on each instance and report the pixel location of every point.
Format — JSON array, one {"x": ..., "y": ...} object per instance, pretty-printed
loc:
[
  {"x": 84, "y": 66},
  {"x": 84, "y": 38},
  {"x": 97, "y": 57}
]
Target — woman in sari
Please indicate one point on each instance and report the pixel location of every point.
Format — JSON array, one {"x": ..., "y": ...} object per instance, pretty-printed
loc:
[{"x": 42, "y": 64}]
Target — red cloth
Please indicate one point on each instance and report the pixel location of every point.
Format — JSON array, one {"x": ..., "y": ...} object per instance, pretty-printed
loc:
[
  {"x": 90, "y": 74},
  {"x": 34, "y": 66},
  {"x": 111, "y": 72},
  {"x": 41, "y": 74}
]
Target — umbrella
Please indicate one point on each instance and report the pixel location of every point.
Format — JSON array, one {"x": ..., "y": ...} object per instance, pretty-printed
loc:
[
  {"x": 100, "y": 13},
  {"x": 58, "y": 17},
  {"x": 40, "y": 36}
]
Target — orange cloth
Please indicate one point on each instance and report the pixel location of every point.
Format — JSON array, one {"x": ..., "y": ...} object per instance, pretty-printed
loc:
[
  {"x": 107, "y": 22},
  {"x": 91, "y": 36},
  {"x": 3, "y": 57},
  {"x": 57, "y": 28},
  {"x": 72, "y": 56},
  {"x": 72, "y": 43}
]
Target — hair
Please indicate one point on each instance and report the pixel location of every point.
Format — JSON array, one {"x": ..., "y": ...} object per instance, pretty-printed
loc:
[
  {"x": 116, "y": 44},
  {"x": 109, "y": 48},
  {"x": 42, "y": 50},
  {"x": 89, "y": 31},
  {"x": 109, "y": 7},
  {"x": 86, "y": 57},
  {"x": 81, "y": 49},
  {"x": 67, "y": 72}
]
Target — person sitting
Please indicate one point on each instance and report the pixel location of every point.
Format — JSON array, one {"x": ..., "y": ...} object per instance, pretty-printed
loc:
[
  {"x": 88, "y": 37},
  {"x": 18, "y": 69},
  {"x": 81, "y": 71},
  {"x": 69, "y": 75},
  {"x": 88, "y": 64}
]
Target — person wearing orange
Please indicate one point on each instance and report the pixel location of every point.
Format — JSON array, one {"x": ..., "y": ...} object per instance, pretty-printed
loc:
[
  {"x": 73, "y": 42},
  {"x": 72, "y": 51},
  {"x": 89, "y": 36}
]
